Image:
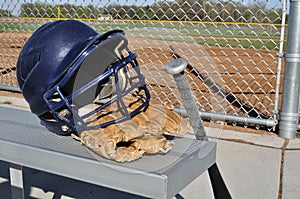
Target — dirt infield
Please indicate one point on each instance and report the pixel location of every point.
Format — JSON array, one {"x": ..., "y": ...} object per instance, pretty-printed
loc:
[{"x": 225, "y": 80}]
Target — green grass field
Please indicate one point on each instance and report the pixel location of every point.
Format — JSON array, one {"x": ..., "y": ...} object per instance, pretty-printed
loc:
[{"x": 234, "y": 35}]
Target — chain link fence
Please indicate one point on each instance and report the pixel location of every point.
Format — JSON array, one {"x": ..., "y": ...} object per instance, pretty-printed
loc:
[{"x": 234, "y": 48}]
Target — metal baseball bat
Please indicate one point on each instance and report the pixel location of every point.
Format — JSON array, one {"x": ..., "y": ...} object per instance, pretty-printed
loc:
[{"x": 176, "y": 68}]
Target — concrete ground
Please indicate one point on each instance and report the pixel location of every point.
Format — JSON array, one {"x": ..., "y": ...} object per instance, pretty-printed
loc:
[{"x": 252, "y": 165}]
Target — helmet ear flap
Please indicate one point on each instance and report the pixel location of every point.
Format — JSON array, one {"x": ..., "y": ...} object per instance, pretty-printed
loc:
[
  {"x": 99, "y": 62},
  {"x": 56, "y": 125}
]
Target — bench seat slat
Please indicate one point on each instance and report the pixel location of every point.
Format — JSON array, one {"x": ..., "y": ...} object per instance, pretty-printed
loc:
[{"x": 25, "y": 142}]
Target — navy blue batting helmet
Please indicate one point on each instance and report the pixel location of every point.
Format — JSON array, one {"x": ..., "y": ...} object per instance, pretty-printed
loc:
[{"x": 66, "y": 66}]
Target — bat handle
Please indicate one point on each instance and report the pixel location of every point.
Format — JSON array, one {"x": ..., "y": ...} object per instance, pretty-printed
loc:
[{"x": 176, "y": 68}]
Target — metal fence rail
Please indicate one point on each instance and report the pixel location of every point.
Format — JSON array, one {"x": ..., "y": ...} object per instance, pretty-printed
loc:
[{"x": 234, "y": 48}]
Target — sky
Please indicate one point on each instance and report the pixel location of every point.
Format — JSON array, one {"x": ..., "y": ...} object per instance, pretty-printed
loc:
[{"x": 14, "y": 5}]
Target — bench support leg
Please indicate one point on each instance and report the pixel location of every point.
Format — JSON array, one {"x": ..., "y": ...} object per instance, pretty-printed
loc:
[
  {"x": 16, "y": 181},
  {"x": 218, "y": 185}
]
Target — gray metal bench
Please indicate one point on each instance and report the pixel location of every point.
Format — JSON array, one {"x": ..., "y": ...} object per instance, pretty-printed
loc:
[{"x": 24, "y": 142}]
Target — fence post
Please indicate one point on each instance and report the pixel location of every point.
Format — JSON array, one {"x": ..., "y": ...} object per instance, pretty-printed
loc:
[{"x": 289, "y": 115}]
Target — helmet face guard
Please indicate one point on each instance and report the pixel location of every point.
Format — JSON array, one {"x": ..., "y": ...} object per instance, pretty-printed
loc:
[{"x": 99, "y": 82}]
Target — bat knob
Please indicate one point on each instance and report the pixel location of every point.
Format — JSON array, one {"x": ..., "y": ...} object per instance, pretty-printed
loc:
[{"x": 176, "y": 66}]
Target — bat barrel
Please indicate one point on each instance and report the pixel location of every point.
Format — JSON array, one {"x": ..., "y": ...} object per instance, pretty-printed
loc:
[{"x": 176, "y": 68}]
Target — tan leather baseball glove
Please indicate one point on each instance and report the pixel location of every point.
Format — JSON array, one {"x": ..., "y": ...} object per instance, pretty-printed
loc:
[{"x": 143, "y": 134}]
